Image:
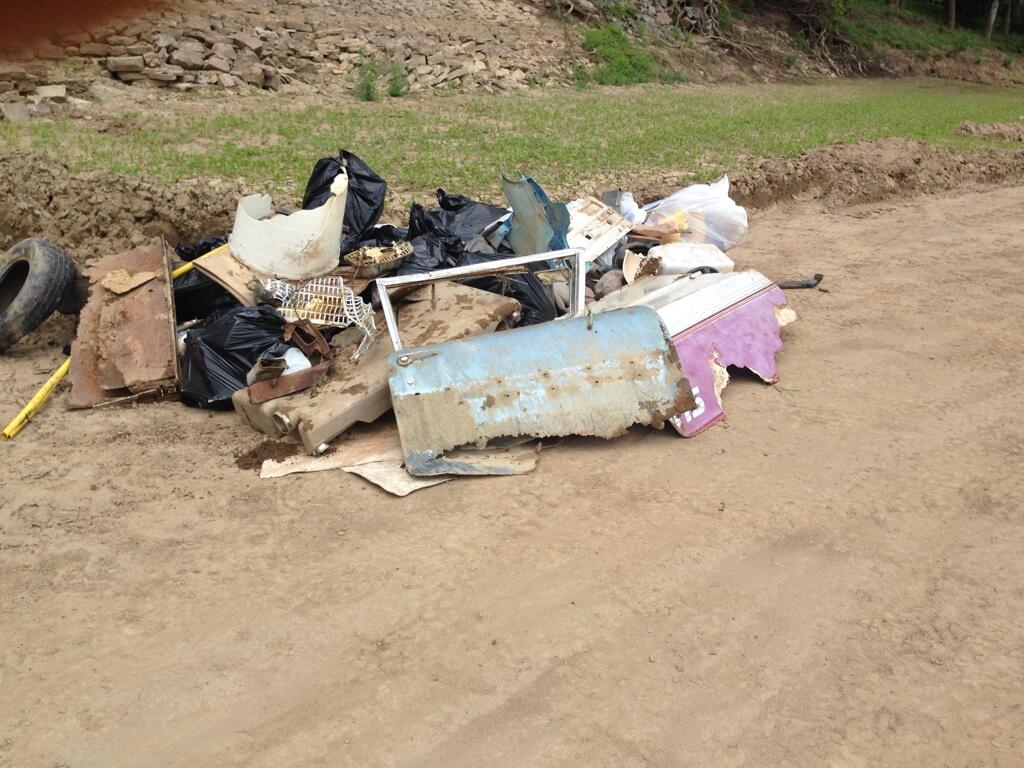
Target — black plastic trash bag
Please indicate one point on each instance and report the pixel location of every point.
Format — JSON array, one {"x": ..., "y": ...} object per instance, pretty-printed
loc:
[
  {"x": 463, "y": 217},
  {"x": 526, "y": 288},
  {"x": 196, "y": 295},
  {"x": 200, "y": 247},
  {"x": 220, "y": 353},
  {"x": 435, "y": 247},
  {"x": 383, "y": 236},
  {"x": 366, "y": 192}
]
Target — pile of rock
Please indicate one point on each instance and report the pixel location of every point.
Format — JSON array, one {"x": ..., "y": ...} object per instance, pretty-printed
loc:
[
  {"x": 245, "y": 44},
  {"x": 196, "y": 57},
  {"x": 32, "y": 91}
]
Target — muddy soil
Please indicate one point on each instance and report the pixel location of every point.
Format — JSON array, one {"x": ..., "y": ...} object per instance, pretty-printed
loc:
[{"x": 831, "y": 577}]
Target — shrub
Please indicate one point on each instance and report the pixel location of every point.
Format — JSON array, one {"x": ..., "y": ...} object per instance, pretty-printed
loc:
[
  {"x": 398, "y": 82},
  {"x": 366, "y": 75}
]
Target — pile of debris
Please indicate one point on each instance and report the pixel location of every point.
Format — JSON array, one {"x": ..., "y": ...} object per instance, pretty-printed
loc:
[{"x": 483, "y": 328}]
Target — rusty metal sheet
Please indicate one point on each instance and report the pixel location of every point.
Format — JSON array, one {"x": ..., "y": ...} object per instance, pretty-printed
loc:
[
  {"x": 125, "y": 342},
  {"x": 593, "y": 376},
  {"x": 358, "y": 392}
]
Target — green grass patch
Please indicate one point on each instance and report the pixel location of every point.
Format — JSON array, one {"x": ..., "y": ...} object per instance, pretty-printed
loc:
[
  {"x": 572, "y": 141},
  {"x": 619, "y": 61}
]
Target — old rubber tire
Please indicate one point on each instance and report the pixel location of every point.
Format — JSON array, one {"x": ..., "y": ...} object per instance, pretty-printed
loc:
[{"x": 35, "y": 278}]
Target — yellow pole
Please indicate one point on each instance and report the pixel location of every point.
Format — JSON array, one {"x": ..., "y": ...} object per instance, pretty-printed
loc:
[
  {"x": 40, "y": 397},
  {"x": 37, "y": 401}
]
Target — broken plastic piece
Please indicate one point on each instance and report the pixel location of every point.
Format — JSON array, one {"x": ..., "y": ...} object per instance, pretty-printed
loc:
[
  {"x": 676, "y": 258},
  {"x": 298, "y": 246},
  {"x": 637, "y": 265},
  {"x": 595, "y": 228},
  {"x": 370, "y": 255}
]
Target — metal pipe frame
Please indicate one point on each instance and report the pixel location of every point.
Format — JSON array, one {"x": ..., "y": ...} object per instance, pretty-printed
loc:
[{"x": 576, "y": 295}]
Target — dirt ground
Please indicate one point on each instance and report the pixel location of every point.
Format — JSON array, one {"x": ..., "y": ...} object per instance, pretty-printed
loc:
[{"x": 832, "y": 577}]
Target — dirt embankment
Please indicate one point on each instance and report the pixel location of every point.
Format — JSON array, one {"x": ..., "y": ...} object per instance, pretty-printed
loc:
[
  {"x": 1008, "y": 131},
  {"x": 989, "y": 69},
  {"x": 99, "y": 212},
  {"x": 873, "y": 170}
]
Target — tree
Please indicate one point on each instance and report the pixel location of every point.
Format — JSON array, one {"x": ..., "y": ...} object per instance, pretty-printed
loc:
[
  {"x": 1008, "y": 18},
  {"x": 951, "y": 13}
]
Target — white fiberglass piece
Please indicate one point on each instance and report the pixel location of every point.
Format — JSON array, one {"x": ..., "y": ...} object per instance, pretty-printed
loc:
[{"x": 298, "y": 246}]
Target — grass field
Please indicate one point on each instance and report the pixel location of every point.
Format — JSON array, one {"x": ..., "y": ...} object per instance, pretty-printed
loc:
[{"x": 565, "y": 138}]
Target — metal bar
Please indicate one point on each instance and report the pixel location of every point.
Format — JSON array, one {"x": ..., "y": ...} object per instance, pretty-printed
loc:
[
  {"x": 188, "y": 266},
  {"x": 576, "y": 294},
  {"x": 811, "y": 282},
  {"x": 33, "y": 405}
]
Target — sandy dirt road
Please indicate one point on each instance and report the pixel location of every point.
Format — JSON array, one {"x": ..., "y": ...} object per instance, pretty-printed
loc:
[{"x": 833, "y": 577}]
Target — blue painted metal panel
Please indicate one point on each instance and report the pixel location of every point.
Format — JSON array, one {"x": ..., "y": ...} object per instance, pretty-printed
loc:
[
  {"x": 537, "y": 224},
  {"x": 584, "y": 376}
]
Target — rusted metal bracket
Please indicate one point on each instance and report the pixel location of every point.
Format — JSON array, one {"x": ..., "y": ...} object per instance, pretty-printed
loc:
[{"x": 307, "y": 337}]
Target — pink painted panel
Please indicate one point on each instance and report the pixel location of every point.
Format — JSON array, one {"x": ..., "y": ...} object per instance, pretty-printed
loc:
[{"x": 745, "y": 335}]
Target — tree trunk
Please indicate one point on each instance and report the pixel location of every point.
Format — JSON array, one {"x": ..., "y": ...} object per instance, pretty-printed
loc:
[
  {"x": 990, "y": 22},
  {"x": 1008, "y": 19},
  {"x": 951, "y": 13}
]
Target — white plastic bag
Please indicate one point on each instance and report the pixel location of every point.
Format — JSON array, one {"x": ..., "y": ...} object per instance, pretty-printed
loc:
[
  {"x": 707, "y": 209},
  {"x": 630, "y": 210}
]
